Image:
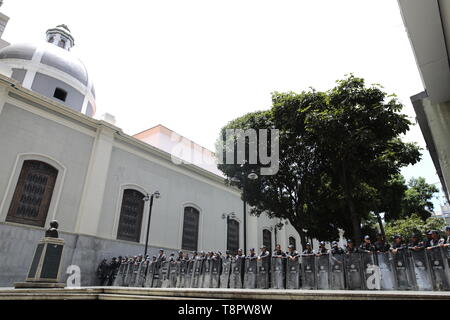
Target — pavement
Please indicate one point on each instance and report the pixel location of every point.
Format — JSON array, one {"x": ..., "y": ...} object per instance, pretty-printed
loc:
[{"x": 126, "y": 293}]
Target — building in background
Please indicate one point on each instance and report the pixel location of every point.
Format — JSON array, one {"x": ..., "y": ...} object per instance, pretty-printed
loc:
[
  {"x": 58, "y": 162},
  {"x": 428, "y": 26}
]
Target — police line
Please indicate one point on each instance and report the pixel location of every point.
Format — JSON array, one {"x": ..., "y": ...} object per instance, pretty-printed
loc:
[{"x": 404, "y": 270}]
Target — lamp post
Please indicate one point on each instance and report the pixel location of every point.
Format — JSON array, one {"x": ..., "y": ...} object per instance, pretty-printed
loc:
[
  {"x": 148, "y": 197},
  {"x": 277, "y": 228},
  {"x": 243, "y": 178}
]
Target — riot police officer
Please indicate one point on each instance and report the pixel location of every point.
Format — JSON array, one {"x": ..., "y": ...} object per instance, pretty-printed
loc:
[
  {"x": 397, "y": 244},
  {"x": 102, "y": 272},
  {"x": 292, "y": 253},
  {"x": 435, "y": 241},
  {"x": 252, "y": 255},
  {"x": 415, "y": 243},
  {"x": 367, "y": 245},
  {"x": 113, "y": 268},
  {"x": 335, "y": 249},
  {"x": 240, "y": 254},
  {"x": 350, "y": 247},
  {"x": 380, "y": 244},
  {"x": 264, "y": 252},
  {"x": 322, "y": 249},
  {"x": 308, "y": 249},
  {"x": 447, "y": 242},
  {"x": 180, "y": 256},
  {"x": 278, "y": 253}
]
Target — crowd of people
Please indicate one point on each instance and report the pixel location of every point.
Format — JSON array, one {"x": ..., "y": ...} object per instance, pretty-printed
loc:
[{"x": 107, "y": 272}]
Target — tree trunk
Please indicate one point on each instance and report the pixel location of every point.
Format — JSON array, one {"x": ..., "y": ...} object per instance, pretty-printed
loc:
[{"x": 355, "y": 219}]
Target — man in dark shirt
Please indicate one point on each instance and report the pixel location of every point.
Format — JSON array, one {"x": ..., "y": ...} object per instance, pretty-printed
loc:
[
  {"x": 264, "y": 252},
  {"x": 350, "y": 247},
  {"x": 308, "y": 249},
  {"x": 292, "y": 253},
  {"x": 435, "y": 241},
  {"x": 367, "y": 245},
  {"x": 447, "y": 242},
  {"x": 380, "y": 244},
  {"x": 397, "y": 244},
  {"x": 335, "y": 249},
  {"x": 415, "y": 243},
  {"x": 322, "y": 249},
  {"x": 278, "y": 253}
]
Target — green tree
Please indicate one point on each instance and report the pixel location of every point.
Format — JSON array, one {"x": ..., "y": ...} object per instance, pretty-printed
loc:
[
  {"x": 338, "y": 151},
  {"x": 417, "y": 198},
  {"x": 358, "y": 136},
  {"x": 412, "y": 224}
]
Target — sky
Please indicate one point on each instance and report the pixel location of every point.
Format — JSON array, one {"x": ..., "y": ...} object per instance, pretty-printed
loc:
[{"x": 194, "y": 65}]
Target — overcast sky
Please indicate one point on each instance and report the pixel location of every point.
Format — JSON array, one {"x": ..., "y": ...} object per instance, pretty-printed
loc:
[{"x": 194, "y": 65}]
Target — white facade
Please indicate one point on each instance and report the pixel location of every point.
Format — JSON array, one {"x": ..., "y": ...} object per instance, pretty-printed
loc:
[{"x": 96, "y": 162}]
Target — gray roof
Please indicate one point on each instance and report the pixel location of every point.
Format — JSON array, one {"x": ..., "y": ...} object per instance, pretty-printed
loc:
[{"x": 53, "y": 56}]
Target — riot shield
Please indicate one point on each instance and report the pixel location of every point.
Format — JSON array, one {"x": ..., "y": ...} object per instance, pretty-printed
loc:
[
  {"x": 387, "y": 277},
  {"x": 140, "y": 277},
  {"x": 181, "y": 279},
  {"x": 370, "y": 271},
  {"x": 323, "y": 271},
  {"x": 402, "y": 270},
  {"x": 440, "y": 273},
  {"x": 189, "y": 273},
  {"x": 353, "y": 274},
  {"x": 174, "y": 270},
  {"x": 134, "y": 273},
  {"x": 150, "y": 274},
  {"x": 163, "y": 279},
  {"x": 215, "y": 272},
  {"x": 128, "y": 274},
  {"x": 236, "y": 277},
  {"x": 118, "y": 281},
  {"x": 278, "y": 273},
  {"x": 292, "y": 272},
  {"x": 262, "y": 273},
  {"x": 421, "y": 267},
  {"x": 337, "y": 278},
  {"x": 197, "y": 275},
  {"x": 308, "y": 272},
  {"x": 156, "y": 283},
  {"x": 206, "y": 273},
  {"x": 250, "y": 273},
  {"x": 225, "y": 275}
]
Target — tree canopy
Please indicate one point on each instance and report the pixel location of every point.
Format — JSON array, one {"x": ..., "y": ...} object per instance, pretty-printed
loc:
[{"x": 338, "y": 152}]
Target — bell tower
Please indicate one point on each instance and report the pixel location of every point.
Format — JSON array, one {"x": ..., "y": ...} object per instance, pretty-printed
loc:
[{"x": 60, "y": 36}]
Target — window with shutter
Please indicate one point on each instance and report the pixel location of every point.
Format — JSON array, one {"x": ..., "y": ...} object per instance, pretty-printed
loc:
[
  {"x": 131, "y": 214},
  {"x": 190, "y": 229},
  {"x": 33, "y": 194}
]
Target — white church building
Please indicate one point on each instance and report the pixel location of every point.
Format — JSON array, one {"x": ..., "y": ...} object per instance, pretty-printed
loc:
[{"x": 59, "y": 162}]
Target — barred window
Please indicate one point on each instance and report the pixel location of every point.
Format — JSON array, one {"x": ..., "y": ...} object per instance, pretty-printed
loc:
[
  {"x": 292, "y": 242},
  {"x": 267, "y": 239},
  {"x": 33, "y": 194},
  {"x": 190, "y": 229},
  {"x": 131, "y": 213},
  {"x": 233, "y": 236}
]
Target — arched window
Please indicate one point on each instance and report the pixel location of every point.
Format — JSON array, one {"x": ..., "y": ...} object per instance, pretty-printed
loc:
[
  {"x": 62, "y": 43},
  {"x": 190, "y": 229},
  {"x": 292, "y": 242},
  {"x": 233, "y": 236},
  {"x": 267, "y": 239},
  {"x": 131, "y": 213},
  {"x": 33, "y": 194}
]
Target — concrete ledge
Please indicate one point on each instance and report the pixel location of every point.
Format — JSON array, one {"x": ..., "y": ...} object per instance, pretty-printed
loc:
[{"x": 124, "y": 293}]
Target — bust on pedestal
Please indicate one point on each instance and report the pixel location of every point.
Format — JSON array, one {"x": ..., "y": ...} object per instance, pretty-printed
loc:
[{"x": 45, "y": 270}]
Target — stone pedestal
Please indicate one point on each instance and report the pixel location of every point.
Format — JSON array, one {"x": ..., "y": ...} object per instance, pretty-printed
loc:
[{"x": 45, "y": 270}]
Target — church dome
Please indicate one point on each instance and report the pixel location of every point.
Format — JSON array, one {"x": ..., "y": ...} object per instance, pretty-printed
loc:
[{"x": 49, "y": 68}]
